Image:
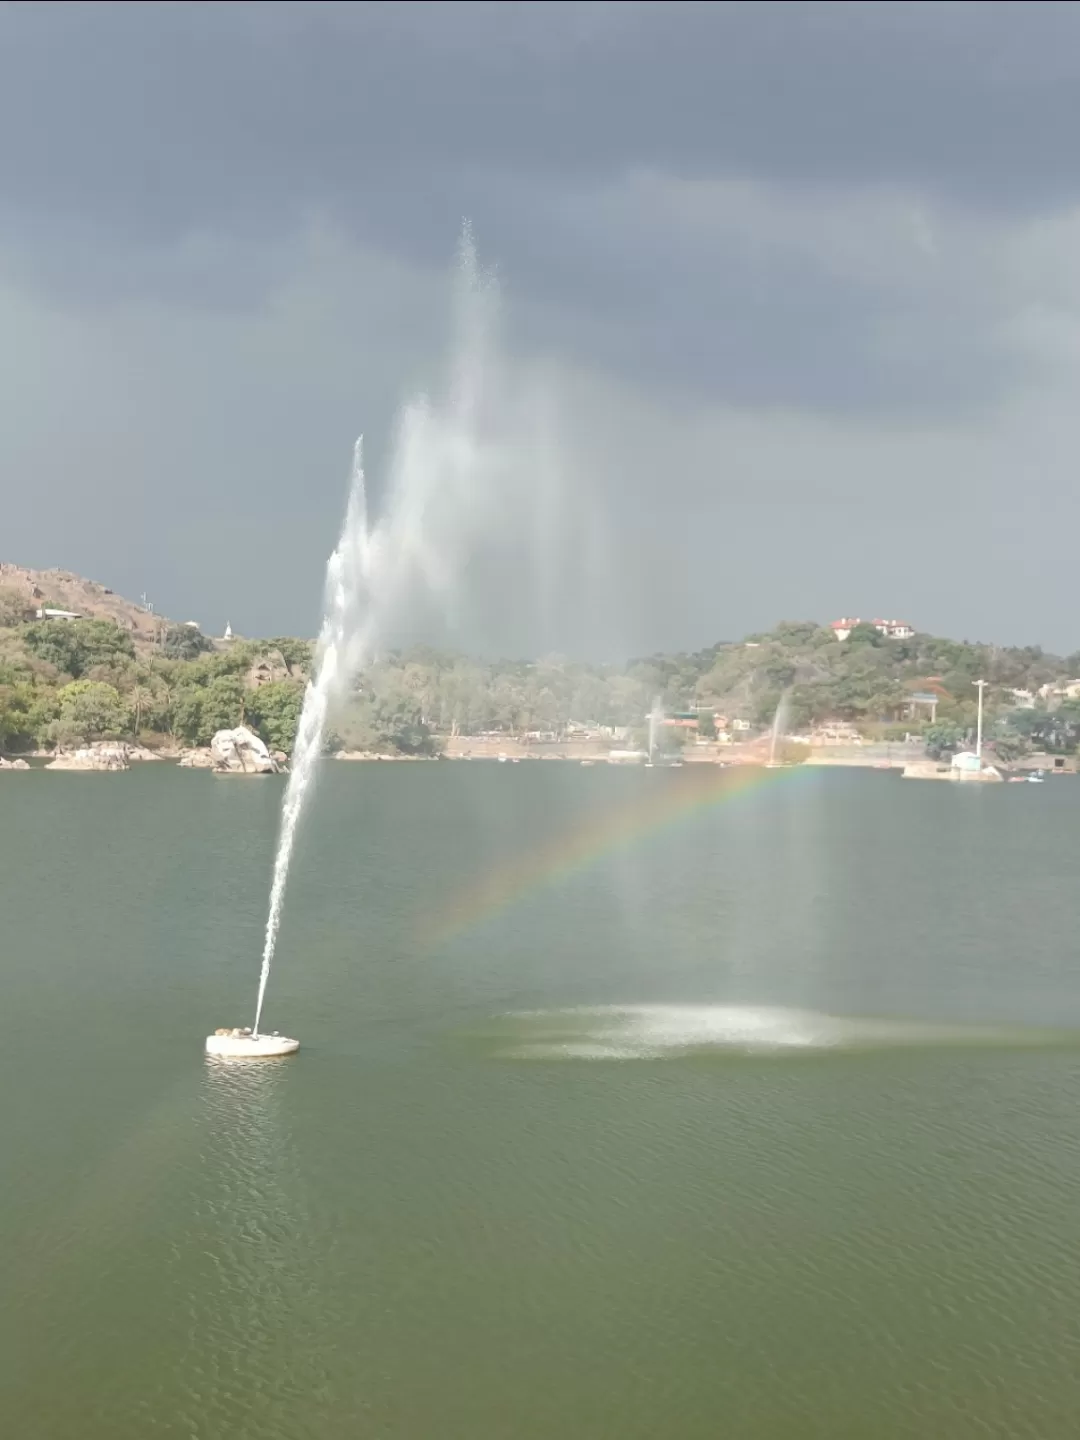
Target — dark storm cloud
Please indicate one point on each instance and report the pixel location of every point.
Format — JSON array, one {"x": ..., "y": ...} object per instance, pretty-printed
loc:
[
  {"x": 795, "y": 277},
  {"x": 246, "y": 112},
  {"x": 124, "y": 128}
]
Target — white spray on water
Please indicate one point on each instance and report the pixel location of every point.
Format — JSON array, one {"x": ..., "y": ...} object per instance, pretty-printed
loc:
[{"x": 458, "y": 464}]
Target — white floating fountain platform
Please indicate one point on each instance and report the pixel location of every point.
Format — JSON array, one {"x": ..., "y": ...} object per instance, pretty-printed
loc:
[{"x": 243, "y": 1045}]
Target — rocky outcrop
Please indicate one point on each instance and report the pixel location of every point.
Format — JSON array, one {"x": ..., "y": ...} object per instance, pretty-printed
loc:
[
  {"x": 270, "y": 667},
  {"x": 30, "y": 590},
  {"x": 241, "y": 752},
  {"x": 198, "y": 759},
  {"x": 103, "y": 756},
  {"x": 142, "y": 752},
  {"x": 13, "y": 764},
  {"x": 377, "y": 755}
]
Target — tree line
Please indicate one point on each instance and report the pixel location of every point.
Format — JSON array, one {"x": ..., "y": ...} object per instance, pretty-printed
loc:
[{"x": 65, "y": 682}]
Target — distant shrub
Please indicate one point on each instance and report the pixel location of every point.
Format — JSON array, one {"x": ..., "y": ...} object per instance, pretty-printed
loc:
[{"x": 183, "y": 642}]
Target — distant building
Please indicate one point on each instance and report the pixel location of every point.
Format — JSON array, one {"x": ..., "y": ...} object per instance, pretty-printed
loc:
[
  {"x": 892, "y": 629},
  {"x": 922, "y": 700},
  {"x": 919, "y": 705},
  {"x": 44, "y": 613},
  {"x": 1054, "y": 690},
  {"x": 966, "y": 763},
  {"x": 843, "y": 628},
  {"x": 1055, "y": 764}
]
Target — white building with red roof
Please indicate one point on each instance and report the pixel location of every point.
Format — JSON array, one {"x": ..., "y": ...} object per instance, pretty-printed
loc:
[{"x": 892, "y": 629}]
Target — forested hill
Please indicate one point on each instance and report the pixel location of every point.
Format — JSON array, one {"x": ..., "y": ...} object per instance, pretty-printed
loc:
[
  {"x": 64, "y": 680},
  {"x": 866, "y": 678}
]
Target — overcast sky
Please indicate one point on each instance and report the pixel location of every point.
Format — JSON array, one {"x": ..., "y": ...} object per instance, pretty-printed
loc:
[{"x": 793, "y": 293}]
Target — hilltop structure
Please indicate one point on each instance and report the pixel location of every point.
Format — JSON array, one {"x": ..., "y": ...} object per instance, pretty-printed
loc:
[{"x": 892, "y": 629}]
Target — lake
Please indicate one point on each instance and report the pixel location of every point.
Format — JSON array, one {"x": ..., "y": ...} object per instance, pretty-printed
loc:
[{"x": 631, "y": 1103}]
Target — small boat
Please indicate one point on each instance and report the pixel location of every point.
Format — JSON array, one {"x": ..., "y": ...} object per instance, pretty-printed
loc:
[
  {"x": 1037, "y": 778},
  {"x": 242, "y": 1044}
]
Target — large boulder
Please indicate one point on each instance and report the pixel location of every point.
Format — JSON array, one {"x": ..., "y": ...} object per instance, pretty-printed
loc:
[
  {"x": 240, "y": 752},
  {"x": 13, "y": 764}
]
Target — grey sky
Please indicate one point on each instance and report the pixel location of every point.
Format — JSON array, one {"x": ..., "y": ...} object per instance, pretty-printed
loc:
[{"x": 797, "y": 286}]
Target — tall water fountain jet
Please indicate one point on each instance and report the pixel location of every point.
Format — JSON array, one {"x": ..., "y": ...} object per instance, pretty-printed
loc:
[
  {"x": 335, "y": 656},
  {"x": 455, "y": 466},
  {"x": 337, "y": 653}
]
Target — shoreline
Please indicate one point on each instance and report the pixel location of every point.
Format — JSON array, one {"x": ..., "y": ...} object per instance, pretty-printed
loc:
[{"x": 25, "y": 761}]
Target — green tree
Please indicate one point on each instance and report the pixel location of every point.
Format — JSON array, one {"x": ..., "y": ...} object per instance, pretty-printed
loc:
[
  {"x": 16, "y": 716},
  {"x": 295, "y": 653},
  {"x": 398, "y": 719},
  {"x": 199, "y": 711},
  {"x": 184, "y": 642},
  {"x": 1010, "y": 746},
  {"x": 187, "y": 714},
  {"x": 865, "y": 634},
  {"x": 74, "y": 646},
  {"x": 274, "y": 711},
  {"x": 89, "y": 710},
  {"x": 1057, "y": 731},
  {"x": 942, "y": 739}
]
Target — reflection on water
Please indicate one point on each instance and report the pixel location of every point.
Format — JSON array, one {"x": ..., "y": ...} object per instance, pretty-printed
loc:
[
  {"x": 394, "y": 1235},
  {"x": 643, "y": 1032},
  {"x": 251, "y": 1319}
]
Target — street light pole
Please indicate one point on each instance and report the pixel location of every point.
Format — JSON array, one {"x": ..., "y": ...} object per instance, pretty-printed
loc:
[{"x": 980, "y": 686}]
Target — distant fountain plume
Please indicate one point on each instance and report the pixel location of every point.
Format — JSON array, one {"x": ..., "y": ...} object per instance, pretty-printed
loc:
[
  {"x": 455, "y": 465},
  {"x": 656, "y": 716},
  {"x": 779, "y": 725}
]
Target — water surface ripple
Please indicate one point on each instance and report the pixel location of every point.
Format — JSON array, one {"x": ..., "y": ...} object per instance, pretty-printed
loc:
[{"x": 762, "y": 1126}]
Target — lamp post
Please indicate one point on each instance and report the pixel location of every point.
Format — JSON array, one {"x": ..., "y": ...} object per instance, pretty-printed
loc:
[{"x": 980, "y": 685}]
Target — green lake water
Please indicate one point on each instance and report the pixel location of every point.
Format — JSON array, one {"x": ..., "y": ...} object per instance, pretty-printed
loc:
[{"x": 764, "y": 1122}]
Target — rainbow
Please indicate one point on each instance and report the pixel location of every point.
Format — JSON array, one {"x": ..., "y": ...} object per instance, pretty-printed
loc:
[{"x": 662, "y": 800}]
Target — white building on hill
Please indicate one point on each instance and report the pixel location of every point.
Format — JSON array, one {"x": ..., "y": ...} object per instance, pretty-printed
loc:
[{"x": 892, "y": 629}]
